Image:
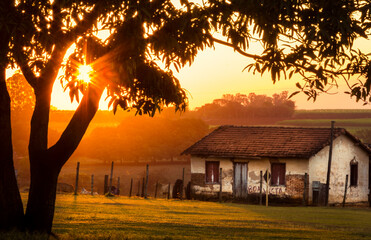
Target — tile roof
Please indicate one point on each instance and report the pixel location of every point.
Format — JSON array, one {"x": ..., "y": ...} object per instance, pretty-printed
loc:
[{"x": 255, "y": 141}]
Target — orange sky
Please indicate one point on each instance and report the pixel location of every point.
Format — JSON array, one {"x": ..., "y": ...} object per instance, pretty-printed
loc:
[{"x": 217, "y": 72}]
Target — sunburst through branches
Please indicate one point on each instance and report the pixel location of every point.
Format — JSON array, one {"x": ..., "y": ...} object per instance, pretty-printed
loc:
[{"x": 85, "y": 73}]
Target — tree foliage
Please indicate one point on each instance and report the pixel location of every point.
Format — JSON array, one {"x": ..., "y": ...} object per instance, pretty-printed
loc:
[
  {"x": 241, "y": 107},
  {"x": 311, "y": 38},
  {"x": 21, "y": 94}
]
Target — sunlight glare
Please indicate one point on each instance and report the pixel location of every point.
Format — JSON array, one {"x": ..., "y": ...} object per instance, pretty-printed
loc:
[{"x": 85, "y": 72}]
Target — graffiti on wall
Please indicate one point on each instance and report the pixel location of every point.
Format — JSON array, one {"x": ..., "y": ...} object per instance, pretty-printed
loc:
[{"x": 277, "y": 190}]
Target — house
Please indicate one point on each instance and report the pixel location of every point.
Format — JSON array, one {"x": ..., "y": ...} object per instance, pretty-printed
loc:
[{"x": 297, "y": 159}]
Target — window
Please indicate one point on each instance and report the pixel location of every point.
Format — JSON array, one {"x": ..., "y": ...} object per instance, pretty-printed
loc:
[
  {"x": 212, "y": 172},
  {"x": 353, "y": 174},
  {"x": 278, "y": 174}
]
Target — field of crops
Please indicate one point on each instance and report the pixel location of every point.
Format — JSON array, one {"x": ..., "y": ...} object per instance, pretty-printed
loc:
[
  {"x": 357, "y": 122},
  {"x": 99, "y": 217}
]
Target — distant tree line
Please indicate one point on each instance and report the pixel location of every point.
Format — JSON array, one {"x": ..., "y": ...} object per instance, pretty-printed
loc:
[{"x": 250, "y": 108}]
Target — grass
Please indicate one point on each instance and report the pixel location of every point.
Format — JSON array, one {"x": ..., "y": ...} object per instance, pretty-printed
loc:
[
  {"x": 99, "y": 217},
  {"x": 314, "y": 111}
]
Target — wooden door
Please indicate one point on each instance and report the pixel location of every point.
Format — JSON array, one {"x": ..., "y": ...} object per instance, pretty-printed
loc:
[{"x": 240, "y": 180}]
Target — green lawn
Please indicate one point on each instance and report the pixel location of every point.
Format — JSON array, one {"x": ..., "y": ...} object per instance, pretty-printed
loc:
[{"x": 99, "y": 217}]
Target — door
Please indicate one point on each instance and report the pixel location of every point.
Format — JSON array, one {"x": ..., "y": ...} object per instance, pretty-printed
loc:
[{"x": 240, "y": 180}]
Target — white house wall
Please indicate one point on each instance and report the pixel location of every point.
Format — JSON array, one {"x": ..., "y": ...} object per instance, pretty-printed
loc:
[
  {"x": 344, "y": 151},
  {"x": 295, "y": 170},
  {"x": 198, "y": 176}
]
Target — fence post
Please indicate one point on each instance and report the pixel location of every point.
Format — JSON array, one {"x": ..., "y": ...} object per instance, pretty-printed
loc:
[
  {"x": 110, "y": 179},
  {"x": 142, "y": 195},
  {"x": 156, "y": 189},
  {"x": 105, "y": 184},
  {"x": 221, "y": 184},
  {"x": 181, "y": 192},
  {"x": 168, "y": 192},
  {"x": 261, "y": 190},
  {"x": 146, "y": 186},
  {"x": 305, "y": 189},
  {"x": 345, "y": 191},
  {"x": 131, "y": 187},
  {"x": 92, "y": 184},
  {"x": 329, "y": 164},
  {"x": 118, "y": 186},
  {"x": 138, "y": 194},
  {"x": 267, "y": 190},
  {"x": 77, "y": 177}
]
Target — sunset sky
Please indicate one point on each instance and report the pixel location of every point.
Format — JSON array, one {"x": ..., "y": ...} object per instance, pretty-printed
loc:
[
  {"x": 217, "y": 72},
  {"x": 220, "y": 71}
]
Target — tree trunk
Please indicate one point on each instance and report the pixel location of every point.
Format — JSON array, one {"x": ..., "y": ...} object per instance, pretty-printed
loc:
[
  {"x": 41, "y": 200},
  {"x": 46, "y": 163},
  {"x": 11, "y": 207}
]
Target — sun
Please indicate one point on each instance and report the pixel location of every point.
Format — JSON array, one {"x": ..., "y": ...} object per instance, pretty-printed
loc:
[{"x": 84, "y": 73}]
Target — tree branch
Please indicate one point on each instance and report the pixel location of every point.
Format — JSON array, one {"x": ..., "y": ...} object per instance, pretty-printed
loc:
[
  {"x": 237, "y": 49},
  {"x": 83, "y": 25},
  {"x": 76, "y": 129},
  {"x": 25, "y": 68},
  {"x": 255, "y": 57},
  {"x": 57, "y": 19},
  {"x": 43, "y": 89}
]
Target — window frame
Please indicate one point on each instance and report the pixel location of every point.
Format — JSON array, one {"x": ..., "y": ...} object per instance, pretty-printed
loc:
[
  {"x": 272, "y": 183},
  {"x": 216, "y": 175},
  {"x": 353, "y": 175}
]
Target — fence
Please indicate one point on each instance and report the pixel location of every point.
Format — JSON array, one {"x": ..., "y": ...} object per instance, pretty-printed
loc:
[{"x": 144, "y": 184}]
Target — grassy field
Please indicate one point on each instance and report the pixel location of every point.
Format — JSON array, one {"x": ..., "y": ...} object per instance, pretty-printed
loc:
[
  {"x": 352, "y": 125},
  {"x": 99, "y": 217},
  {"x": 360, "y": 122}
]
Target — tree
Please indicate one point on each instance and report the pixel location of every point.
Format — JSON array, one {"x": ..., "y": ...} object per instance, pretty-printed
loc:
[
  {"x": 21, "y": 93},
  {"x": 252, "y": 107},
  {"x": 37, "y": 33}
]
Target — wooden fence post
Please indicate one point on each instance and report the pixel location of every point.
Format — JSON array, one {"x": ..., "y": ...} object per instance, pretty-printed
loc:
[
  {"x": 181, "y": 191},
  {"x": 345, "y": 191},
  {"x": 329, "y": 164},
  {"x": 110, "y": 179},
  {"x": 142, "y": 195},
  {"x": 105, "y": 184},
  {"x": 156, "y": 189},
  {"x": 261, "y": 190},
  {"x": 221, "y": 184},
  {"x": 146, "y": 186},
  {"x": 138, "y": 194},
  {"x": 168, "y": 192},
  {"x": 118, "y": 186},
  {"x": 131, "y": 187},
  {"x": 92, "y": 184},
  {"x": 305, "y": 189},
  {"x": 267, "y": 190},
  {"x": 77, "y": 177}
]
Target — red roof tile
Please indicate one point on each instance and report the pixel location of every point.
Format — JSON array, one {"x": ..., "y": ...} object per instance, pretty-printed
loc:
[{"x": 251, "y": 142}]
